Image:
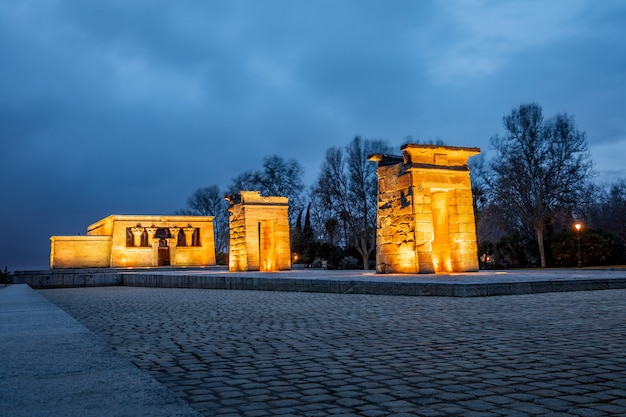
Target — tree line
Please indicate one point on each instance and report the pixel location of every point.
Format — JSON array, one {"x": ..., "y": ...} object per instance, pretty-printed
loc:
[{"x": 535, "y": 182}]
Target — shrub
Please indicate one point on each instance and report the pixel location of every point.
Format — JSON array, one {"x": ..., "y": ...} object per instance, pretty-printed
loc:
[
  {"x": 5, "y": 276},
  {"x": 350, "y": 262}
]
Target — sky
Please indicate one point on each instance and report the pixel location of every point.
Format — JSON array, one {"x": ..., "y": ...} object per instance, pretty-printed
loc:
[{"x": 127, "y": 107}]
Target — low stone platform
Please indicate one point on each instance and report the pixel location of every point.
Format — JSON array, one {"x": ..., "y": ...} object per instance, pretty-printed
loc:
[{"x": 477, "y": 284}]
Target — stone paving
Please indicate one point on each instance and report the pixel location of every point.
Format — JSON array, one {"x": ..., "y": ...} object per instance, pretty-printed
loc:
[{"x": 256, "y": 353}]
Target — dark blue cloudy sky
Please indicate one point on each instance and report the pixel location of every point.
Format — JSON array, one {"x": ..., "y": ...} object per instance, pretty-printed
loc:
[{"x": 124, "y": 107}]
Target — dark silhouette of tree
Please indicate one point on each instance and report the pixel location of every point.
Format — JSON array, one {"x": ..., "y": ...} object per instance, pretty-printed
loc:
[
  {"x": 598, "y": 247},
  {"x": 307, "y": 231},
  {"x": 330, "y": 226},
  {"x": 541, "y": 167},
  {"x": 209, "y": 201},
  {"x": 347, "y": 190},
  {"x": 296, "y": 235},
  {"x": 5, "y": 276},
  {"x": 303, "y": 241},
  {"x": 279, "y": 177},
  {"x": 609, "y": 210},
  {"x": 478, "y": 177}
]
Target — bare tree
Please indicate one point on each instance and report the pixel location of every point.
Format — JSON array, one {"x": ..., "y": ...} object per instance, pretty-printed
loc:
[
  {"x": 608, "y": 210},
  {"x": 279, "y": 177},
  {"x": 478, "y": 176},
  {"x": 209, "y": 201},
  {"x": 331, "y": 190},
  {"x": 541, "y": 167},
  {"x": 347, "y": 189},
  {"x": 490, "y": 226}
]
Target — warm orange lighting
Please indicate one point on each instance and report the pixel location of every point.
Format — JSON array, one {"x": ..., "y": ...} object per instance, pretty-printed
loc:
[
  {"x": 425, "y": 213},
  {"x": 578, "y": 226},
  {"x": 404, "y": 259},
  {"x": 122, "y": 241},
  {"x": 259, "y": 232}
]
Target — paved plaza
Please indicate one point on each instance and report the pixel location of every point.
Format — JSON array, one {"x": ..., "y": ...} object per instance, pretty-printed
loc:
[{"x": 261, "y": 353}]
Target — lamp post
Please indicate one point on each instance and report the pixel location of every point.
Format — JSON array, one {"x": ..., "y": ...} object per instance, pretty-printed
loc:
[{"x": 578, "y": 226}]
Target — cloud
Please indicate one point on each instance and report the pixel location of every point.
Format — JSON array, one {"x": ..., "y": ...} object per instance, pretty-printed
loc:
[
  {"x": 611, "y": 169},
  {"x": 487, "y": 35}
]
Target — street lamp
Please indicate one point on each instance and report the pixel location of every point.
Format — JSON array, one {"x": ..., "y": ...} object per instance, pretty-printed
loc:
[{"x": 578, "y": 226}]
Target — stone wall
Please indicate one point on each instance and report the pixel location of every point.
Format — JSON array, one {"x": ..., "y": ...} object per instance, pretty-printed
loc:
[
  {"x": 395, "y": 241},
  {"x": 69, "y": 278},
  {"x": 79, "y": 251},
  {"x": 138, "y": 241},
  {"x": 259, "y": 232},
  {"x": 425, "y": 218}
]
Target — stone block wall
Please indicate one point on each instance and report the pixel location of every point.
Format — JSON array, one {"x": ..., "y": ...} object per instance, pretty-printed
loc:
[
  {"x": 238, "y": 258},
  {"x": 259, "y": 232},
  {"x": 79, "y": 251},
  {"x": 425, "y": 213},
  {"x": 395, "y": 239},
  {"x": 138, "y": 241}
]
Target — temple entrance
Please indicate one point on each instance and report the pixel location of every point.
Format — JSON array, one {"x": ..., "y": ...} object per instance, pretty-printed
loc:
[
  {"x": 425, "y": 215},
  {"x": 164, "y": 253},
  {"x": 441, "y": 229},
  {"x": 267, "y": 249},
  {"x": 259, "y": 232}
]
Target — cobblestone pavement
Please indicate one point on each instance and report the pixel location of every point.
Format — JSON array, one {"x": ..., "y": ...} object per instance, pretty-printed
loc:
[{"x": 252, "y": 353}]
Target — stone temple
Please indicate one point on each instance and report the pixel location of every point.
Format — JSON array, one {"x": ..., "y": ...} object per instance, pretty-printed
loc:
[
  {"x": 425, "y": 224},
  {"x": 425, "y": 219},
  {"x": 259, "y": 232},
  {"x": 138, "y": 241}
]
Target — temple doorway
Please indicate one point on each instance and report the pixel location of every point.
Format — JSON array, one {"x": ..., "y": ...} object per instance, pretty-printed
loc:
[
  {"x": 259, "y": 232},
  {"x": 441, "y": 229},
  {"x": 267, "y": 249},
  {"x": 164, "y": 253}
]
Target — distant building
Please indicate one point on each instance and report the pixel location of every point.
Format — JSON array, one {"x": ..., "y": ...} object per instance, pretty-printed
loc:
[
  {"x": 138, "y": 241},
  {"x": 259, "y": 232},
  {"x": 425, "y": 219}
]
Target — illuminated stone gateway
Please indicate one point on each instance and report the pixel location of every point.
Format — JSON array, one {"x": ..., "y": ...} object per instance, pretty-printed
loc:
[
  {"x": 259, "y": 232},
  {"x": 425, "y": 220},
  {"x": 138, "y": 241}
]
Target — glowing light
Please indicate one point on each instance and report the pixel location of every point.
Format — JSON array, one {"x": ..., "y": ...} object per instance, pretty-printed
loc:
[
  {"x": 425, "y": 214},
  {"x": 259, "y": 232},
  {"x": 122, "y": 241},
  {"x": 578, "y": 226}
]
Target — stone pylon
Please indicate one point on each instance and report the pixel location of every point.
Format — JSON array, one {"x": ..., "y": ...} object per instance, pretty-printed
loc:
[
  {"x": 425, "y": 219},
  {"x": 259, "y": 232}
]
